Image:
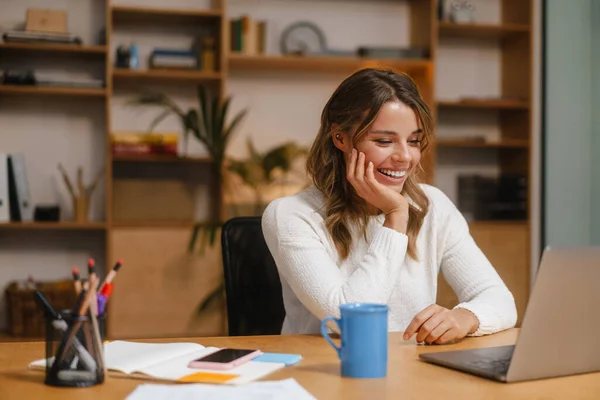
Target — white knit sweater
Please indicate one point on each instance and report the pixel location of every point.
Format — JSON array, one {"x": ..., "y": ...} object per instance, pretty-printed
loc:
[{"x": 315, "y": 281}]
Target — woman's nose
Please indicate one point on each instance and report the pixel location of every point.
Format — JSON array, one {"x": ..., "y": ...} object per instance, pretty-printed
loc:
[{"x": 401, "y": 154}]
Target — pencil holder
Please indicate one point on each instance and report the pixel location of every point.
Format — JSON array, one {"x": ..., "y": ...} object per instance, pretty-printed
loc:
[{"x": 74, "y": 351}]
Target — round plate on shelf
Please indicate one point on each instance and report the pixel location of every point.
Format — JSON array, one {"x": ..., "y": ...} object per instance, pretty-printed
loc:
[{"x": 302, "y": 38}]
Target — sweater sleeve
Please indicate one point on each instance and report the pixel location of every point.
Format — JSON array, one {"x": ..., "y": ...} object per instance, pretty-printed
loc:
[
  {"x": 467, "y": 270},
  {"x": 305, "y": 263}
]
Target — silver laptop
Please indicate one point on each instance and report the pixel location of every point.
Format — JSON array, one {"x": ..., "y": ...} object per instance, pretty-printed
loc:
[{"x": 560, "y": 330}]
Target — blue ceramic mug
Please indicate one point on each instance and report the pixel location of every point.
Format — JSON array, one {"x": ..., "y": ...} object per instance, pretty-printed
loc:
[{"x": 364, "y": 333}]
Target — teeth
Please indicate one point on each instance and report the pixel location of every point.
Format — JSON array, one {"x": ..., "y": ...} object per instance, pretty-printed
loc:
[{"x": 392, "y": 173}]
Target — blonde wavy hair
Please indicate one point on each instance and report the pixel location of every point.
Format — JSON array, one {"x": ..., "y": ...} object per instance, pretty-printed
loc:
[{"x": 353, "y": 107}]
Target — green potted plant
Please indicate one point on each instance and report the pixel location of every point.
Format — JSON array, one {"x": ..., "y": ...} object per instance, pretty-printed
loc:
[{"x": 209, "y": 124}]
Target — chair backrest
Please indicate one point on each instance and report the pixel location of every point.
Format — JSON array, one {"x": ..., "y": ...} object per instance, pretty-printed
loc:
[{"x": 252, "y": 286}]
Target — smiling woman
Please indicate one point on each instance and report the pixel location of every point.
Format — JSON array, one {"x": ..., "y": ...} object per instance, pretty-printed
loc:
[{"x": 368, "y": 231}]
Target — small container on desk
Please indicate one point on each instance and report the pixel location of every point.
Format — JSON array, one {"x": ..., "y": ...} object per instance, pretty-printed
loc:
[{"x": 74, "y": 350}]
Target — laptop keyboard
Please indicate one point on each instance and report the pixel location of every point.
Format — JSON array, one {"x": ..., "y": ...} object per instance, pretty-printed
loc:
[{"x": 498, "y": 366}]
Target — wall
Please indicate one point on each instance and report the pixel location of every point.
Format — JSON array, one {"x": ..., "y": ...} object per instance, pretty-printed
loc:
[
  {"x": 568, "y": 123},
  {"x": 595, "y": 147}
]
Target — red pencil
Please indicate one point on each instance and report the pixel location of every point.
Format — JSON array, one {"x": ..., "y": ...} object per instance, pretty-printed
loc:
[{"x": 76, "y": 280}]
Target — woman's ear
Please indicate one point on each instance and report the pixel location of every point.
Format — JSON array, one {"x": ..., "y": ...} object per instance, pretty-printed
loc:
[{"x": 341, "y": 140}]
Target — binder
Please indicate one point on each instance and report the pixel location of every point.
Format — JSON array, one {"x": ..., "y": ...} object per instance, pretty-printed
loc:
[
  {"x": 4, "y": 197},
  {"x": 21, "y": 208}
]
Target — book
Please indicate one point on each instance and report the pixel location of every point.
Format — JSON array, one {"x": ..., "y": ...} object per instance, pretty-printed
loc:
[
  {"x": 4, "y": 193},
  {"x": 169, "y": 362},
  {"x": 21, "y": 209}
]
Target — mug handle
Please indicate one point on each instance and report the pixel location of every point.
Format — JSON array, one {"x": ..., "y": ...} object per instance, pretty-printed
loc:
[{"x": 326, "y": 335}]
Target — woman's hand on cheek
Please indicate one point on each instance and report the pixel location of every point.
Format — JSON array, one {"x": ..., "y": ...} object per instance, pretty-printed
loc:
[
  {"x": 362, "y": 178},
  {"x": 439, "y": 325}
]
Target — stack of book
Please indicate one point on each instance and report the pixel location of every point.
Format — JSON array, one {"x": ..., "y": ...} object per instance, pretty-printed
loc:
[
  {"x": 171, "y": 58},
  {"x": 144, "y": 144},
  {"x": 493, "y": 198},
  {"x": 248, "y": 36}
]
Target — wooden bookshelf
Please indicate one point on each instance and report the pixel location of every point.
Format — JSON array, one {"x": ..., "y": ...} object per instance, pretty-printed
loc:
[
  {"x": 154, "y": 224},
  {"x": 505, "y": 143},
  {"x": 54, "y": 48},
  {"x": 319, "y": 64},
  {"x": 161, "y": 159},
  {"x": 485, "y": 103},
  {"x": 51, "y": 90},
  {"x": 506, "y": 243},
  {"x": 129, "y": 14},
  {"x": 71, "y": 226},
  {"x": 165, "y": 75},
  {"x": 479, "y": 31}
]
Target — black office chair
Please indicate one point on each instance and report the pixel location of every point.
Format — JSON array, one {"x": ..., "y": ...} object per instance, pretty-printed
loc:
[{"x": 252, "y": 286}]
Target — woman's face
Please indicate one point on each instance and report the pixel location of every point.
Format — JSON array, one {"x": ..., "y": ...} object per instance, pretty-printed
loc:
[{"x": 393, "y": 144}]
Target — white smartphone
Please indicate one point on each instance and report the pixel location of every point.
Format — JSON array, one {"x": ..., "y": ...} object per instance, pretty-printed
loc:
[{"x": 224, "y": 359}]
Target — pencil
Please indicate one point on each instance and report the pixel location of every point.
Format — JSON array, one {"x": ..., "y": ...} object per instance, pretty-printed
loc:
[
  {"x": 111, "y": 275},
  {"x": 77, "y": 280}
]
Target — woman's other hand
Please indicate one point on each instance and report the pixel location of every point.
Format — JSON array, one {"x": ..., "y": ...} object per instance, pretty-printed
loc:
[{"x": 438, "y": 325}]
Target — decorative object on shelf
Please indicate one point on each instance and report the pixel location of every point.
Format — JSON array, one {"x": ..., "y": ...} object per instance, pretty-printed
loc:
[
  {"x": 127, "y": 57},
  {"x": 49, "y": 21},
  {"x": 461, "y": 12},
  {"x": 46, "y": 213},
  {"x": 81, "y": 196},
  {"x": 392, "y": 52},
  {"x": 134, "y": 57},
  {"x": 25, "y": 319},
  {"x": 209, "y": 54},
  {"x": 302, "y": 38},
  {"x": 18, "y": 77}
]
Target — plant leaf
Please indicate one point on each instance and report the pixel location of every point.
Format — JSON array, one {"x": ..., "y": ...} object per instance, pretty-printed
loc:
[
  {"x": 194, "y": 237},
  {"x": 159, "y": 118},
  {"x": 231, "y": 128},
  {"x": 202, "y": 100},
  {"x": 211, "y": 297}
]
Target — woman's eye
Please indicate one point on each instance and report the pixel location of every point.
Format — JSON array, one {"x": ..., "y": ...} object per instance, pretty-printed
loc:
[
  {"x": 415, "y": 141},
  {"x": 383, "y": 141}
]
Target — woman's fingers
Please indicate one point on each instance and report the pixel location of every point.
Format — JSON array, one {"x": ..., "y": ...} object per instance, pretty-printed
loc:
[
  {"x": 351, "y": 166},
  {"x": 448, "y": 336},
  {"x": 429, "y": 325},
  {"x": 443, "y": 327},
  {"x": 419, "y": 320},
  {"x": 359, "y": 172}
]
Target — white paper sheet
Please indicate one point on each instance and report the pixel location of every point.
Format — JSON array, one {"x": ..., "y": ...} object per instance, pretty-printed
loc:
[{"x": 287, "y": 389}]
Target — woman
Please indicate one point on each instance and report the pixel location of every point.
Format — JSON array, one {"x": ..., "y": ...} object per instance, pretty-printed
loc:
[{"x": 367, "y": 231}]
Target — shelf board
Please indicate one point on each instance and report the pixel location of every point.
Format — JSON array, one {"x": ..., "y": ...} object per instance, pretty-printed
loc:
[
  {"x": 319, "y": 64},
  {"x": 54, "y": 225},
  {"x": 51, "y": 90},
  {"x": 505, "y": 143},
  {"x": 161, "y": 159},
  {"x": 165, "y": 75},
  {"x": 478, "y": 31},
  {"x": 486, "y": 103},
  {"x": 150, "y": 14},
  {"x": 483, "y": 223},
  {"x": 154, "y": 224},
  {"x": 54, "y": 48}
]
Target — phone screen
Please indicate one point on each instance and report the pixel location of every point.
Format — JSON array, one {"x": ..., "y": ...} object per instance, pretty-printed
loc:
[{"x": 225, "y": 355}]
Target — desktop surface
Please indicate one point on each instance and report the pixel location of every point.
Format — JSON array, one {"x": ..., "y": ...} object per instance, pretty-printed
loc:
[{"x": 318, "y": 372}]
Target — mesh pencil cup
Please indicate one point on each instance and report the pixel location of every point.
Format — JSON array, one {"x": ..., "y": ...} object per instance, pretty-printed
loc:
[{"x": 74, "y": 352}]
